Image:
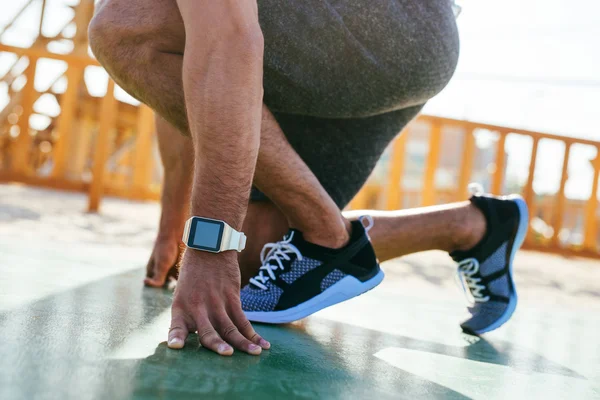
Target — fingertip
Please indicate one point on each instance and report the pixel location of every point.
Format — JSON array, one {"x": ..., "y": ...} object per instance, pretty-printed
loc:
[
  {"x": 254, "y": 349},
  {"x": 224, "y": 349},
  {"x": 175, "y": 343},
  {"x": 256, "y": 339},
  {"x": 152, "y": 283}
]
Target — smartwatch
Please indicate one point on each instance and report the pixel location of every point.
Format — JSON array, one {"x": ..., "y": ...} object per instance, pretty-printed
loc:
[{"x": 212, "y": 235}]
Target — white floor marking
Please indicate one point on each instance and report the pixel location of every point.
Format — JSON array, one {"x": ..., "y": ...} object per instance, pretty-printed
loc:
[{"x": 480, "y": 380}]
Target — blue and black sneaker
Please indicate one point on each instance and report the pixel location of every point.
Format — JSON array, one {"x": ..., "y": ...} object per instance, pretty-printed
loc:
[
  {"x": 299, "y": 278},
  {"x": 486, "y": 271}
]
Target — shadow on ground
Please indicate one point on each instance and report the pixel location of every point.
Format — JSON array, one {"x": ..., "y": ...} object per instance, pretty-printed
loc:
[{"x": 63, "y": 346}]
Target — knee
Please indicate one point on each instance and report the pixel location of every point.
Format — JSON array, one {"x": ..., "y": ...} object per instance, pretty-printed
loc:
[
  {"x": 115, "y": 35},
  {"x": 107, "y": 33}
]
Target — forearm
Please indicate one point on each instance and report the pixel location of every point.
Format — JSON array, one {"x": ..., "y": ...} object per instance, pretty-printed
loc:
[{"x": 223, "y": 91}]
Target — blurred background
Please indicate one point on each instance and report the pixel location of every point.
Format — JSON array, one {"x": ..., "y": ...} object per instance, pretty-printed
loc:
[{"x": 520, "y": 115}]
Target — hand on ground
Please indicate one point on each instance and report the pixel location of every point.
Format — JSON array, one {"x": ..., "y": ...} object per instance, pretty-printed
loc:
[{"x": 207, "y": 300}]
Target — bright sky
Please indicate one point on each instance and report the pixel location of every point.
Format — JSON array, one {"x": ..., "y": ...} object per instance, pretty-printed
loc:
[{"x": 532, "y": 64}]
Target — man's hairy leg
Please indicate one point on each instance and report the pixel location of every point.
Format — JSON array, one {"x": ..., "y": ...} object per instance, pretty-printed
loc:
[
  {"x": 286, "y": 179},
  {"x": 449, "y": 227},
  {"x": 177, "y": 156},
  {"x": 153, "y": 75}
]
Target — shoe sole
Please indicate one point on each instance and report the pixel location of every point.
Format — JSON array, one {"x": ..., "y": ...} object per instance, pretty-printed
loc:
[
  {"x": 345, "y": 289},
  {"x": 519, "y": 239}
]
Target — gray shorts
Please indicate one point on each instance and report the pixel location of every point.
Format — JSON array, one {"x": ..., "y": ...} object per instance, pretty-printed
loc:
[{"x": 343, "y": 77}]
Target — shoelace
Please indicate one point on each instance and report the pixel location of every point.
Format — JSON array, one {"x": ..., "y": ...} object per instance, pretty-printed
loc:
[
  {"x": 276, "y": 252},
  {"x": 467, "y": 270}
]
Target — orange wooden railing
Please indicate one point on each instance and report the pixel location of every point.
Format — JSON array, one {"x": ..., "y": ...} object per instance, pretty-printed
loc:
[{"x": 553, "y": 209}]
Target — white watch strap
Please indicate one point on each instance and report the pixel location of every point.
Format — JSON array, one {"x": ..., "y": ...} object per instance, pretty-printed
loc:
[
  {"x": 186, "y": 231},
  {"x": 233, "y": 240},
  {"x": 237, "y": 241}
]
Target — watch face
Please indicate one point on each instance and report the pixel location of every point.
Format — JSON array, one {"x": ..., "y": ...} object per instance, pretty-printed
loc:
[{"x": 206, "y": 234}]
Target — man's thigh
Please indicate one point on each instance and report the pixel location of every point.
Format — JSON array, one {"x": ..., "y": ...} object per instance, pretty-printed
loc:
[{"x": 355, "y": 58}]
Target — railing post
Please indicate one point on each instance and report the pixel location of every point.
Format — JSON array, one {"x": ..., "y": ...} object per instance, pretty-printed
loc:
[
  {"x": 102, "y": 146},
  {"x": 394, "y": 186},
  {"x": 435, "y": 139},
  {"x": 498, "y": 178},
  {"x": 466, "y": 165},
  {"x": 142, "y": 162},
  {"x": 529, "y": 193},
  {"x": 590, "y": 235},
  {"x": 22, "y": 146},
  {"x": 560, "y": 199},
  {"x": 81, "y": 151},
  {"x": 65, "y": 121},
  {"x": 66, "y": 142}
]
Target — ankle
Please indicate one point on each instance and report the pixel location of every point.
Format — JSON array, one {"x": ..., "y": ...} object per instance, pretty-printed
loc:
[
  {"x": 470, "y": 228},
  {"x": 334, "y": 234}
]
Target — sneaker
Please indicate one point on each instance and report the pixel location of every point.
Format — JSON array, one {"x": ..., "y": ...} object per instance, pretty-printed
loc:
[
  {"x": 299, "y": 278},
  {"x": 486, "y": 271}
]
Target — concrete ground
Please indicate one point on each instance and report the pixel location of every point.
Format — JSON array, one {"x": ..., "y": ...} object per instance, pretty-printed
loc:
[{"x": 76, "y": 322}]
